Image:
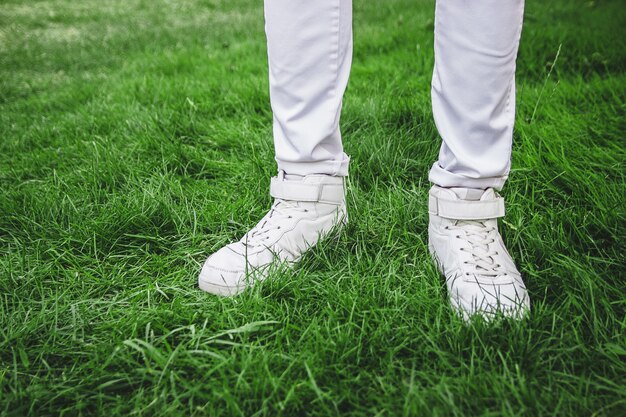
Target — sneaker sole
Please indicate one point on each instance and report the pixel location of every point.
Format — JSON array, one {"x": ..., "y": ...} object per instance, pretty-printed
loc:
[{"x": 221, "y": 290}]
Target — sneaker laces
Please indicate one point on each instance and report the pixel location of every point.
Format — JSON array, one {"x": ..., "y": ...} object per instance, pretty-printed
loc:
[
  {"x": 480, "y": 237},
  {"x": 281, "y": 211}
]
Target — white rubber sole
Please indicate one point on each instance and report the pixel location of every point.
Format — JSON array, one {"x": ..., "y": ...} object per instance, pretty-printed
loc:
[{"x": 221, "y": 290}]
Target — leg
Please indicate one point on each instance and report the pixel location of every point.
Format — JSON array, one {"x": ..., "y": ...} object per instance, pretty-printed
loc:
[
  {"x": 473, "y": 90},
  {"x": 473, "y": 95},
  {"x": 309, "y": 47}
]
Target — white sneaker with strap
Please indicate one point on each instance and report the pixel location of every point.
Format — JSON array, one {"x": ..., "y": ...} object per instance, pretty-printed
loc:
[
  {"x": 305, "y": 209},
  {"x": 463, "y": 239}
]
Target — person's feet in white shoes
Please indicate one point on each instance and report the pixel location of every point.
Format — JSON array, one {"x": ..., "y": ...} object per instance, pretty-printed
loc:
[
  {"x": 305, "y": 209},
  {"x": 464, "y": 240}
]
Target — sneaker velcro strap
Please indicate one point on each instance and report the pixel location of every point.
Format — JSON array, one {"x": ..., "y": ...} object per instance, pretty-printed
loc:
[
  {"x": 466, "y": 209},
  {"x": 301, "y": 191}
]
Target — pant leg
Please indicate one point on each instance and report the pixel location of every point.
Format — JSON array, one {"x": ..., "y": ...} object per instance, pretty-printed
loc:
[
  {"x": 309, "y": 44},
  {"x": 473, "y": 90}
]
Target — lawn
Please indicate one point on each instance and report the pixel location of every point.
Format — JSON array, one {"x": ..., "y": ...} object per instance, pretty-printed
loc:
[{"x": 135, "y": 139}]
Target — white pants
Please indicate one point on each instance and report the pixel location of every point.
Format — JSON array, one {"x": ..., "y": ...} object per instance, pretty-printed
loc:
[{"x": 309, "y": 46}]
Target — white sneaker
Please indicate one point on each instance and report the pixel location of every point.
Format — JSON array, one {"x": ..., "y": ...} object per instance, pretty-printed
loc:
[
  {"x": 305, "y": 209},
  {"x": 463, "y": 239}
]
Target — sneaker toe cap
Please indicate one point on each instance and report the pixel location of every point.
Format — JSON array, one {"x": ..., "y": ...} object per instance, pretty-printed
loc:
[
  {"x": 509, "y": 300},
  {"x": 223, "y": 273}
]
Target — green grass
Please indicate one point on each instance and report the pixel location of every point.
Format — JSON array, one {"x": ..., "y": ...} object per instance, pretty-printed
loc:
[{"x": 136, "y": 139}]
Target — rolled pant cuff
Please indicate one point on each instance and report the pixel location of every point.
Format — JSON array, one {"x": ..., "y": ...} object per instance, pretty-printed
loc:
[
  {"x": 443, "y": 178},
  {"x": 334, "y": 168}
]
